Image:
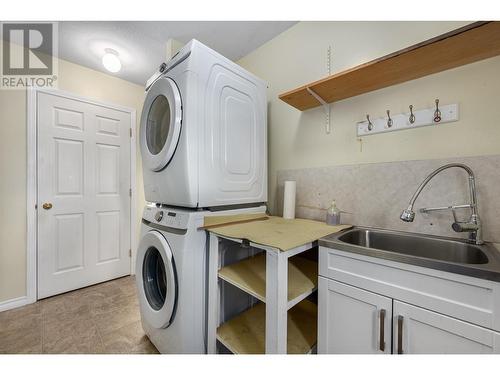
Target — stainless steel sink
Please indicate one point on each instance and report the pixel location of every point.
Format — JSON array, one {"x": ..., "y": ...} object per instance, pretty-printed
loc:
[
  {"x": 426, "y": 247},
  {"x": 441, "y": 253}
]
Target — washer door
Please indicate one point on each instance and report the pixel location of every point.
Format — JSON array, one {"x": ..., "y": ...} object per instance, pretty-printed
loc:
[
  {"x": 160, "y": 123},
  {"x": 156, "y": 280}
]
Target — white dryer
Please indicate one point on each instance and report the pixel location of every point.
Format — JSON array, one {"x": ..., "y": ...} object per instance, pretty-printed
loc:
[
  {"x": 171, "y": 277},
  {"x": 203, "y": 133}
]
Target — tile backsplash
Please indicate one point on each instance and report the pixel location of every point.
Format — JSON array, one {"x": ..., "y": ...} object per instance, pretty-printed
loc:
[{"x": 375, "y": 194}]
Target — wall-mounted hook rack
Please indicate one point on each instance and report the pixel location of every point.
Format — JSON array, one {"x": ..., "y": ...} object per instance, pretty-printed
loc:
[{"x": 402, "y": 121}]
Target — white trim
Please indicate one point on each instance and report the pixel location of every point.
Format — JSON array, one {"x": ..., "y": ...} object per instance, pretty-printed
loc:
[
  {"x": 133, "y": 201},
  {"x": 31, "y": 196},
  {"x": 31, "y": 188},
  {"x": 13, "y": 303}
]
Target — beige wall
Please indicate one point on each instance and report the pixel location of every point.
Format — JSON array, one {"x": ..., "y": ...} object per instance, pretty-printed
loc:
[
  {"x": 298, "y": 139},
  {"x": 72, "y": 78}
]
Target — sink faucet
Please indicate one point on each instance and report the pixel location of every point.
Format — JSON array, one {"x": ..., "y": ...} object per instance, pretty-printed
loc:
[{"x": 473, "y": 225}]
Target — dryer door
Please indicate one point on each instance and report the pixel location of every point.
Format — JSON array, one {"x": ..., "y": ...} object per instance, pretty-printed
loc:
[
  {"x": 160, "y": 123},
  {"x": 156, "y": 280}
]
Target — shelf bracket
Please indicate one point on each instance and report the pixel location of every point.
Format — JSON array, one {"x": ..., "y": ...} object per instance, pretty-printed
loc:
[{"x": 326, "y": 108}]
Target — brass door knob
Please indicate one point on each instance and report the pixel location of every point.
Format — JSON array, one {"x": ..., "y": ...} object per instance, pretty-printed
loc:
[{"x": 47, "y": 206}]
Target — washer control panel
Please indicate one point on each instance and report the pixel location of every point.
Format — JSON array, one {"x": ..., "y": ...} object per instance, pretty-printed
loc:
[{"x": 166, "y": 216}]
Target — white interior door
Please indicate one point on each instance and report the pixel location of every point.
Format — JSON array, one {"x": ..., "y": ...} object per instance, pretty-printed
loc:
[{"x": 83, "y": 193}]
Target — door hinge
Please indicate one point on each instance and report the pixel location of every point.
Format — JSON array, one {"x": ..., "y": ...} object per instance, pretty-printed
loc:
[
  {"x": 130, "y": 192},
  {"x": 130, "y": 253},
  {"x": 130, "y": 132}
]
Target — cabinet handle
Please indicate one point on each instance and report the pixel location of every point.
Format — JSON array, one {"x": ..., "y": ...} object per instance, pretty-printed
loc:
[
  {"x": 400, "y": 334},
  {"x": 381, "y": 323}
]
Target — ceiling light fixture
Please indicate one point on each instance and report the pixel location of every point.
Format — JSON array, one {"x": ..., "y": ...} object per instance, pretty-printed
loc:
[{"x": 111, "y": 61}]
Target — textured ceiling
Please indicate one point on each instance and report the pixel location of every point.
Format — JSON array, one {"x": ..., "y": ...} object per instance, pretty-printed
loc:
[{"x": 142, "y": 45}]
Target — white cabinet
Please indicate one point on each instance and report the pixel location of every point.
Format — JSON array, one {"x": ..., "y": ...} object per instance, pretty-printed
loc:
[
  {"x": 352, "y": 320},
  {"x": 355, "y": 321},
  {"x": 416, "y": 310},
  {"x": 420, "y": 331}
]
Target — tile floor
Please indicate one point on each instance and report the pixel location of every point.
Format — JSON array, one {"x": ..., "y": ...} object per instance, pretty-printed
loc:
[{"x": 102, "y": 318}]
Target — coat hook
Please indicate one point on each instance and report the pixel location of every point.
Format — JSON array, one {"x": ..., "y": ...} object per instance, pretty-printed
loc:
[
  {"x": 389, "y": 119},
  {"x": 437, "y": 112},
  {"x": 412, "y": 116},
  {"x": 370, "y": 125}
]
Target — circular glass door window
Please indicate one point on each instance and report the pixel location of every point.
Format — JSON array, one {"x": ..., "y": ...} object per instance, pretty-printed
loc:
[
  {"x": 161, "y": 122},
  {"x": 158, "y": 124},
  {"x": 154, "y": 278}
]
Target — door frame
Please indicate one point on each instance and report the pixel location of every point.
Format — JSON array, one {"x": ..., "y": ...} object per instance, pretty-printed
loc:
[{"x": 32, "y": 181}]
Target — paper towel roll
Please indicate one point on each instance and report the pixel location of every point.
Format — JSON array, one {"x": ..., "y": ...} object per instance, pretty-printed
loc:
[{"x": 289, "y": 200}]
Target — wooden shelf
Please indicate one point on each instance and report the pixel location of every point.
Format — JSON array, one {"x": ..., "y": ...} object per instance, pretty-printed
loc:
[
  {"x": 245, "y": 333},
  {"x": 474, "y": 42},
  {"x": 250, "y": 276}
]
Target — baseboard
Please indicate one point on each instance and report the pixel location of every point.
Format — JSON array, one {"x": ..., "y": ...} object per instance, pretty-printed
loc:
[{"x": 13, "y": 303}]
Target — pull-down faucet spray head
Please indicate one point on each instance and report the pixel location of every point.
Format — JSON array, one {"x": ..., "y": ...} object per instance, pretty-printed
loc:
[{"x": 408, "y": 215}]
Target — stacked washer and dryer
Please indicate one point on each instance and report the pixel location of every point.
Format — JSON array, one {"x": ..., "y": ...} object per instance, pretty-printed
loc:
[{"x": 203, "y": 140}]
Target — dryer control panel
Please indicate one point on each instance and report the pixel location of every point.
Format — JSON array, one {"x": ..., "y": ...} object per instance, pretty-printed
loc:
[{"x": 166, "y": 216}]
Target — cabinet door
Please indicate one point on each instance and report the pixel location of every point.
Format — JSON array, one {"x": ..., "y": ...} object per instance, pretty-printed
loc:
[
  {"x": 352, "y": 320},
  {"x": 420, "y": 331}
]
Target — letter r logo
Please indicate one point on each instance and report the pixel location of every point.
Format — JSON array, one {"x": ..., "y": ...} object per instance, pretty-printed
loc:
[{"x": 27, "y": 48}]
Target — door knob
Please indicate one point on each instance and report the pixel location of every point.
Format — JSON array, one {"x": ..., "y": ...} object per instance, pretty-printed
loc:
[{"x": 47, "y": 206}]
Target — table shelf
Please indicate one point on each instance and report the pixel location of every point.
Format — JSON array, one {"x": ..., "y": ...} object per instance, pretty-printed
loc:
[
  {"x": 245, "y": 333},
  {"x": 283, "y": 320},
  {"x": 249, "y": 275}
]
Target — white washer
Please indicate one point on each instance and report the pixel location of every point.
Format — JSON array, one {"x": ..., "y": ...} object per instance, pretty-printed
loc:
[
  {"x": 171, "y": 277},
  {"x": 203, "y": 133}
]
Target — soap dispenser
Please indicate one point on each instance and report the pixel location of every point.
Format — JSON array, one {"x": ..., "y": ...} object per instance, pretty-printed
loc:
[{"x": 333, "y": 214}]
